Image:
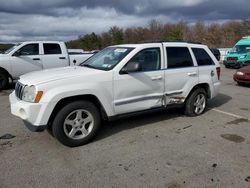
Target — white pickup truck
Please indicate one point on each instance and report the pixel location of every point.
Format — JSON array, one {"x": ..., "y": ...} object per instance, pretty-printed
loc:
[
  {"x": 33, "y": 56},
  {"x": 118, "y": 81}
]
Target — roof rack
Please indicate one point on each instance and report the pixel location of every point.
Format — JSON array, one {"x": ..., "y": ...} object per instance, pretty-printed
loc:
[
  {"x": 246, "y": 37},
  {"x": 161, "y": 41}
]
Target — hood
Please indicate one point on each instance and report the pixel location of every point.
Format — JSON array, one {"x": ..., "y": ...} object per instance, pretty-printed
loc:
[{"x": 49, "y": 75}]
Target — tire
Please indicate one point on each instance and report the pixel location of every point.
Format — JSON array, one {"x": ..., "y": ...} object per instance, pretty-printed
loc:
[
  {"x": 195, "y": 110},
  {"x": 240, "y": 83},
  {"x": 226, "y": 66},
  {"x": 77, "y": 123},
  {"x": 4, "y": 80}
]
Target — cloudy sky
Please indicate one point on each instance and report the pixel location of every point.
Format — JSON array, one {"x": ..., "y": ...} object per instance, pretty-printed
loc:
[{"x": 22, "y": 20}]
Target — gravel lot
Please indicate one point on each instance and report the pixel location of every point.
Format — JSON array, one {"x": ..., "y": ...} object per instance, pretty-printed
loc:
[{"x": 163, "y": 149}]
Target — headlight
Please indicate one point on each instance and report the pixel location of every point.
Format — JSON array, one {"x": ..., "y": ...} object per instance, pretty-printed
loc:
[
  {"x": 31, "y": 95},
  {"x": 243, "y": 56},
  {"x": 240, "y": 73}
]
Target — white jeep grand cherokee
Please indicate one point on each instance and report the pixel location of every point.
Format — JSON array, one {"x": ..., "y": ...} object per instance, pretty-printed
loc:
[{"x": 118, "y": 81}]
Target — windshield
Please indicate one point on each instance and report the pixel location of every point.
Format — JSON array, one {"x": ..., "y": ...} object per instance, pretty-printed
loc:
[
  {"x": 12, "y": 48},
  {"x": 108, "y": 58},
  {"x": 240, "y": 49}
]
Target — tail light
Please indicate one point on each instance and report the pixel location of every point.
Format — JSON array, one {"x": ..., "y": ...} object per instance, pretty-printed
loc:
[{"x": 218, "y": 72}]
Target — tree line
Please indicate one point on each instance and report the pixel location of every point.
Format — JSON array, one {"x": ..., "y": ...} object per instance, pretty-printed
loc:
[
  {"x": 4, "y": 47},
  {"x": 215, "y": 35}
]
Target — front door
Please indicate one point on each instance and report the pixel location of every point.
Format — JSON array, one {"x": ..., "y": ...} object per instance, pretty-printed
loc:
[
  {"x": 26, "y": 59},
  {"x": 143, "y": 89}
]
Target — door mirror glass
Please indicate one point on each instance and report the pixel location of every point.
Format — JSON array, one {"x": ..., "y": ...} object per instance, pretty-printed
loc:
[{"x": 131, "y": 67}]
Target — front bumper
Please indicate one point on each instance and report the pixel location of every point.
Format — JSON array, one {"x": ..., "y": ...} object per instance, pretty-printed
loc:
[
  {"x": 34, "y": 128},
  {"x": 235, "y": 64},
  {"x": 28, "y": 112},
  {"x": 242, "y": 79}
]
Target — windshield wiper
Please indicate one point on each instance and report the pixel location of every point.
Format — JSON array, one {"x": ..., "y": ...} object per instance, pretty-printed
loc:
[{"x": 89, "y": 66}]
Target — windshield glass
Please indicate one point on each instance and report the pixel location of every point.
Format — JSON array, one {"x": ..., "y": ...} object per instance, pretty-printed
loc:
[
  {"x": 108, "y": 58},
  {"x": 12, "y": 48},
  {"x": 240, "y": 49}
]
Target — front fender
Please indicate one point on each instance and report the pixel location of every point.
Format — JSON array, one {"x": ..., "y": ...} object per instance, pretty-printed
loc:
[{"x": 56, "y": 94}]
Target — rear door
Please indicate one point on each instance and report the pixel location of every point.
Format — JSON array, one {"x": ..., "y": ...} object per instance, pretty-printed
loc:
[
  {"x": 181, "y": 73},
  {"x": 54, "y": 56}
]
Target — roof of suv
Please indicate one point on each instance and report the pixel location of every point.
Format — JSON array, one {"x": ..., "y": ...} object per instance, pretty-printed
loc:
[{"x": 150, "y": 43}]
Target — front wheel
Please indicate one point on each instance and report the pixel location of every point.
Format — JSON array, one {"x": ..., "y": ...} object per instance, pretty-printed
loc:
[
  {"x": 76, "y": 123},
  {"x": 196, "y": 102}
]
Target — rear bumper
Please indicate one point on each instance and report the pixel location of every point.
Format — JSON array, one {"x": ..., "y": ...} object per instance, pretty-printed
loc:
[{"x": 216, "y": 89}]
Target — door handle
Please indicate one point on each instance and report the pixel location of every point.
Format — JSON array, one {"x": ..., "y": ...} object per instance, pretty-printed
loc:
[
  {"x": 192, "y": 74},
  {"x": 36, "y": 59},
  {"x": 156, "y": 78},
  {"x": 62, "y": 57}
]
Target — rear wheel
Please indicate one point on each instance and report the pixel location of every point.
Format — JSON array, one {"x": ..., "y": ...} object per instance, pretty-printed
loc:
[
  {"x": 77, "y": 123},
  {"x": 3, "y": 80},
  {"x": 196, "y": 102}
]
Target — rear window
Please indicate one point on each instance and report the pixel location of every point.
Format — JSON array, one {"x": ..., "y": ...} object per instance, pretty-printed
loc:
[
  {"x": 178, "y": 57},
  {"x": 51, "y": 48},
  {"x": 202, "y": 57}
]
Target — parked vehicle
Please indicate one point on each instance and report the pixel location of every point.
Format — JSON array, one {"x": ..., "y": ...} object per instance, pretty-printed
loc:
[
  {"x": 239, "y": 55},
  {"x": 33, "y": 56},
  {"x": 242, "y": 76},
  {"x": 223, "y": 52},
  {"x": 75, "y": 51},
  {"x": 118, "y": 81},
  {"x": 216, "y": 53}
]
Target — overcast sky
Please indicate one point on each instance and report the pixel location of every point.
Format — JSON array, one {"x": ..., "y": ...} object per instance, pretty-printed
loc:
[{"x": 22, "y": 20}]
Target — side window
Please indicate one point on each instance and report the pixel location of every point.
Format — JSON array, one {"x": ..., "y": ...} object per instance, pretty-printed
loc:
[
  {"x": 51, "y": 48},
  {"x": 202, "y": 57},
  {"x": 178, "y": 57},
  {"x": 149, "y": 59},
  {"x": 29, "y": 49}
]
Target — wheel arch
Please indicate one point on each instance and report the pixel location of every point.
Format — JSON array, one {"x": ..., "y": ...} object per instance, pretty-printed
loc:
[
  {"x": 6, "y": 72},
  {"x": 67, "y": 100},
  {"x": 205, "y": 86}
]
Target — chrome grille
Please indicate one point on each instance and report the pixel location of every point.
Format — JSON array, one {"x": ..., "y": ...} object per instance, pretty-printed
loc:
[
  {"x": 19, "y": 90},
  {"x": 232, "y": 58}
]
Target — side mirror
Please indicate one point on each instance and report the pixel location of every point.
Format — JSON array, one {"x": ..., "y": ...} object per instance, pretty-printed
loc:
[
  {"x": 17, "y": 53},
  {"x": 131, "y": 67}
]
